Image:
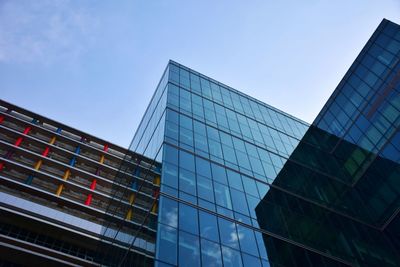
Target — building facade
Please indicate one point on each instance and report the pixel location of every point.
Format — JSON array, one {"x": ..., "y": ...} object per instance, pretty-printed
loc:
[
  {"x": 69, "y": 198},
  {"x": 339, "y": 192},
  {"x": 214, "y": 177},
  {"x": 220, "y": 152}
]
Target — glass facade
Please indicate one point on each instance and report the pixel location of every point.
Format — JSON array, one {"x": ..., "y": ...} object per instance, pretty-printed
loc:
[
  {"x": 220, "y": 151},
  {"x": 341, "y": 184}
]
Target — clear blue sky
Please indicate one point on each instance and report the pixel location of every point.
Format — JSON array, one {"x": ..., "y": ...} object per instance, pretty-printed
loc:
[{"x": 94, "y": 64}]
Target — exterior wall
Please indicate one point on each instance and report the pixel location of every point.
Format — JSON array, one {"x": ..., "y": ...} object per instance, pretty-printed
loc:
[
  {"x": 342, "y": 192},
  {"x": 148, "y": 138},
  {"x": 222, "y": 150},
  {"x": 69, "y": 197}
]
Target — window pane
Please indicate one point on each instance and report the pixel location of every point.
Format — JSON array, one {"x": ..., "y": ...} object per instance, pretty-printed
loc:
[
  {"x": 200, "y": 143},
  {"x": 234, "y": 180},
  {"x": 186, "y": 160},
  {"x": 189, "y": 252},
  {"x": 252, "y": 202},
  {"x": 203, "y": 167},
  {"x": 170, "y": 175},
  {"x": 172, "y": 116},
  {"x": 261, "y": 247},
  {"x": 171, "y": 130},
  {"x": 171, "y": 154},
  {"x": 231, "y": 257},
  {"x": 188, "y": 219},
  {"x": 239, "y": 202},
  {"x": 215, "y": 148},
  {"x": 208, "y": 226},
  {"x": 218, "y": 173},
  {"x": 186, "y": 137},
  {"x": 200, "y": 128},
  {"x": 251, "y": 261},
  {"x": 168, "y": 211},
  {"x": 212, "y": 133},
  {"x": 250, "y": 186},
  {"x": 186, "y": 122},
  {"x": 222, "y": 196},
  {"x": 243, "y": 160},
  {"x": 229, "y": 154},
  {"x": 228, "y": 233},
  {"x": 166, "y": 245},
  {"x": 205, "y": 188},
  {"x": 247, "y": 240},
  {"x": 210, "y": 253},
  {"x": 187, "y": 181}
]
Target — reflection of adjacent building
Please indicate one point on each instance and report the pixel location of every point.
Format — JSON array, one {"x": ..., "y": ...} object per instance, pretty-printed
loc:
[
  {"x": 68, "y": 198},
  {"x": 338, "y": 195},
  {"x": 310, "y": 205}
]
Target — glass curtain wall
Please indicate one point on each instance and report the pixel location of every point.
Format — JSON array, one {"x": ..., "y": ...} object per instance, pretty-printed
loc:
[
  {"x": 342, "y": 187},
  {"x": 222, "y": 150}
]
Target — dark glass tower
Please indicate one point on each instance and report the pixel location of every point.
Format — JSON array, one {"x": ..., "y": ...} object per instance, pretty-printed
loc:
[{"x": 339, "y": 192}]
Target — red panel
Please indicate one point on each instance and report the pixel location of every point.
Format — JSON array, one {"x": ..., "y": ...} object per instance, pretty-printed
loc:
[
  {"x": 27, "y": 129},
  {"x": 1, "y": 119},
  {"x": 19, "y": 141},
  {"x": 93, "y": 185},
  {"x": 88, "y": 200},
  {"x": 46, "y": 152},
  {"x": 1, "y": 165},
  {"x": 105, "y": 147}
]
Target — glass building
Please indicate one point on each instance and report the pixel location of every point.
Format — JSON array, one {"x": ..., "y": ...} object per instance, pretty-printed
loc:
[
  {"x": 339, "y": 193},
  {"x": 214, "y": 177},
  {"x": 220, "y": 151}
]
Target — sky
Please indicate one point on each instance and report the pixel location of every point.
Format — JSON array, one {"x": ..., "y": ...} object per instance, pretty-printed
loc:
[{"x": 94, "y": 65}]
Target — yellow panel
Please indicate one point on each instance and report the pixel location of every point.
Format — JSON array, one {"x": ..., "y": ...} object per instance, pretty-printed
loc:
[
  {"x": 102, "y": 159},
  {"x": 38, "y": 164},
  {"x": 129, "y": 215},
  {"x": 157, "y": 180},
  {"x": 154, "y": 208},
  {"x": 52, "y": 140},
  {"x": 66, "y": 174},
  {"x": 131, "y": 198},
  {"x": 59, "y": 189}
]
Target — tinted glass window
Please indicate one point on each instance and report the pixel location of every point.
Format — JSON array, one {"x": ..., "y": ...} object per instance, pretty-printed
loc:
[
  {"x": 189, "y": 250},
  {"x": 188, "y": 220},
  {"x": 208, "y": 226}
]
